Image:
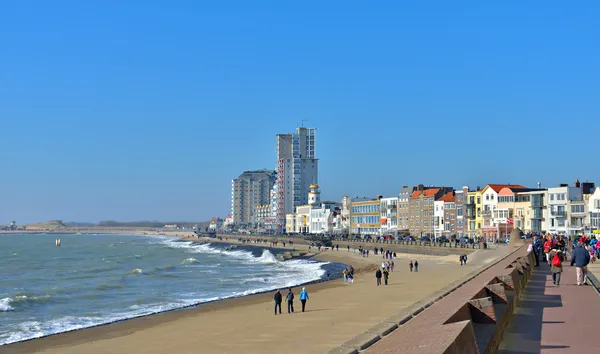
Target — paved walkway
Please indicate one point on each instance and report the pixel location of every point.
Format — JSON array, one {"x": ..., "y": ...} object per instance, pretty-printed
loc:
[{"x": 553, "y": 319}]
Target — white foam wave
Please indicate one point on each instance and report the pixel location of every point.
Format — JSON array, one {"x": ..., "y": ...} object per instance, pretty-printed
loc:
[
  {"x": 190, "y": 260},
  {"x": 5, "y": 304},
  {"x": 135, "y": 271}
]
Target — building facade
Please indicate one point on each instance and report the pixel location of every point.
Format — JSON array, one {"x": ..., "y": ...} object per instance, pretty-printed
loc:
[
  {"x": 594, "y": 210},
  {"x": 366, "y": 217},
  {"x": 249, "y": 190},
  {"x": 422, "y": 210},
  {"x": 404, "y": 209},
  {"x": 388, "y": 216},
  {"x": 461, "y": 197},
  {"x": 297, "y": 169}
]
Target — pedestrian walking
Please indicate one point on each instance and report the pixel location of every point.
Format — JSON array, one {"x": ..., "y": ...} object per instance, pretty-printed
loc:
[
  {"x": 386, "y": 275},
  {"x": 278, "y": 298},
  {"x": 345, "y": 273},
  {"x": 580, "y": 258},
  {"x": 557, "y": 256},
  {"x": 392, "y": 266},
  {"x": 303, "y": 297},
  {"x": 416, "y": 266},
  {"x": 290, "y": 301},
  {"x": 378, "y": 275},
  {"x": 410, "y": 265},
  {"x": 461, "y": 259}
]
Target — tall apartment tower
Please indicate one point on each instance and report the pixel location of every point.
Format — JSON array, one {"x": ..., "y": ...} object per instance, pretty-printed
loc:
[
  {"x": 297, "y": 169},
  {"x": 249, "y": 190}
]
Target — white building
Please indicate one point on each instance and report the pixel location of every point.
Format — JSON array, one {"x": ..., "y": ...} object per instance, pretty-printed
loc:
[
  {"x": 297, "y": 169},
  {"x": 438, "y": 218},
  {"x": 594, "y": 210},
  {"x": 567, "y": 209},
  {"x": 323, "y": 218},
  {"x": 388, "y": 213}
]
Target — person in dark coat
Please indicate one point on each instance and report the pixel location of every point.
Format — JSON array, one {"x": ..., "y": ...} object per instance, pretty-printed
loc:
[
  {"x": 378, "y": 275},
  {"x": 290, "y": 301},
  {"x": 278, "y": 299},
  {"x": 580, "y": 258}
]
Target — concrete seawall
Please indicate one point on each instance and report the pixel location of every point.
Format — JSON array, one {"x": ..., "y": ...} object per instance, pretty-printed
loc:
[{"x": 469, "y": 316}]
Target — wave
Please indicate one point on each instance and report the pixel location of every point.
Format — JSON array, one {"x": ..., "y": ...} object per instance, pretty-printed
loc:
[
  {"x": 5, "y": 303},
  {"x": 102, "y": 287},
  {"x": 136, "y": 271},
  {"x": 190, "y": 260}
]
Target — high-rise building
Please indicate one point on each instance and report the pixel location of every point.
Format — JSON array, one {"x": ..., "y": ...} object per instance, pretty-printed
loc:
[
  {"x": 249, "y": 190},
  {"x": 297, "y": 169}
]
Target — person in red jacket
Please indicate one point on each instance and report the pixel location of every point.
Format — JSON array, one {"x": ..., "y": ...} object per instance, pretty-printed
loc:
[{"x": 547, "y": 248}]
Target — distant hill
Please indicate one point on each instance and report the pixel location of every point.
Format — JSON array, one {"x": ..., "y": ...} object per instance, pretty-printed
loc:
[
  {"x": 111, "y": 223},
  {"x": 49, "y": 225}
]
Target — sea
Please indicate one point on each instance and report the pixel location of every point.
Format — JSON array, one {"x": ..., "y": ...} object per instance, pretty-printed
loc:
[{"x": 97, "y": 279}]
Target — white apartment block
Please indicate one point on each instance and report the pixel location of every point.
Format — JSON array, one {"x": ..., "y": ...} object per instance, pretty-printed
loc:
[
  {"x": 594, "y": 210},
  {"x": 438, "y": 218},
  {"x": 388, "y": 213},
  {"x": 567, "y": 209}
]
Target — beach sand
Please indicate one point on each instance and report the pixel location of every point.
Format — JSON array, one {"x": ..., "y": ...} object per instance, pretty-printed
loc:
[{"x": 335, "y": 313}]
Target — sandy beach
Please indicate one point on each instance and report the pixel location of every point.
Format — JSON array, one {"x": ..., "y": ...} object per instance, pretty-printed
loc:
[{"x": 335, "y": 313}]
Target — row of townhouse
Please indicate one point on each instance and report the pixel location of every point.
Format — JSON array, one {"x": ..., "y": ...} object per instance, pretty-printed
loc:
[{"x": 492, "y": 211}]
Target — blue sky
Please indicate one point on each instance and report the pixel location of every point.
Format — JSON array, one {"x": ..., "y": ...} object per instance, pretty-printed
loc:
[{"x": 145, "y": 110}]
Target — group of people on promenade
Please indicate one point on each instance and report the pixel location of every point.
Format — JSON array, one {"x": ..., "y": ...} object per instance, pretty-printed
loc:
[
  {"x": 553, "y": 249},
  {"x": 289, "y": 298},
  {"x": 387, "y": 267}
]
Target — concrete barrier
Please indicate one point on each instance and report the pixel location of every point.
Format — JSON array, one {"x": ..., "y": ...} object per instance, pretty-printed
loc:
[{"x": 488, "y": 298}]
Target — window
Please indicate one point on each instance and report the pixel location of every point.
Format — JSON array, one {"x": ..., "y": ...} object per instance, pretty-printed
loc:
[
  {"x": 447, "y": 227},
  {"x": 478, "y": 200},
  {"x": 551, "y": 196},
  {"x": 491, "y": 196},
  {"x": 487, "y": 197},
  {"x": 577, "y": 209},
  {"x": 459, "y": 210}
]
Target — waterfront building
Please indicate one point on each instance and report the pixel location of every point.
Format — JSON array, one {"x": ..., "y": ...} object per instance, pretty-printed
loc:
[
  {"x": 461, "y": 197},
  {"x": 594, "y": 210},
  {"x": 421, "y": 210},
  {"x": 404, "y": 210},
  {"x": 344, "y": 225},
  {"x": 489, "y": 203},
  {"x": 438, "y": 216},
  {"x": 216, "y": 223},
  {"x": 568, "y": 208},
  {"x": 297, "y": 169},
  {"x": 366, "y": 216},
  {"x": 388, "y": 216},
  {"x": 260, "y": 216},
  {"x": 250, "y": 189},
  {"x": 474, "y": 217},
  {"x": 448, "y": 214},
  {"x": 323, "y": 217}
]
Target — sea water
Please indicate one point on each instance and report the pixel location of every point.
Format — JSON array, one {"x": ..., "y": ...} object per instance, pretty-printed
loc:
[{"x": 96, "y": 279}]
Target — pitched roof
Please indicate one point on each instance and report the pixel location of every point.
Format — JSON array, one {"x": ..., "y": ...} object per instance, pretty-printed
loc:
[
  {"x": 426, "y": 193},
  {"x": 448, "y": 198},
  {"x": 498, "y": 187}
]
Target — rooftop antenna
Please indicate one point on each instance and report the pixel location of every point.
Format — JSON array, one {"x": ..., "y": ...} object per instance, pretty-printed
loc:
[{"x": 304, "y": 120}]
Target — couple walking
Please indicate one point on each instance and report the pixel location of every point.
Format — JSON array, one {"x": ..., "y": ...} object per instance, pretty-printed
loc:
[
  {"x": 303, "y": 296},
  {"x": 385, "y": 274}
]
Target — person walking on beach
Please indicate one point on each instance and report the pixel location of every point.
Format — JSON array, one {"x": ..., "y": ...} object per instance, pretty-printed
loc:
[
  {"x": 290, "y": 301},
  {"x": 386, "y": 275},
  {"x": 557, "y": 257},
  {"x": 580, "y": 258},
  {"x": 410, "y": 265},
  {"x": 303, "y": 297},
  {"x": 392, "y": 266},
  {"x": 278, "y": 298},
  {"x": 378, "y": 276},
  {"x": 465, "y": 258},
  {"x": 345, "y": 275},
  {"x": 461, "y": 259},
  {"x": 416, "y": 266}
]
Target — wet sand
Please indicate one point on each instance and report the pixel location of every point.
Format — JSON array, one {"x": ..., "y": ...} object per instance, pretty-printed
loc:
[{"x": 335, "y": 314}]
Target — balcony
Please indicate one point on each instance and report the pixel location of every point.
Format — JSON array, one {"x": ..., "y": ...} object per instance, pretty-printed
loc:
[
  {"x": 559, "y": 213},
  {"x": 485, "y": 213}
]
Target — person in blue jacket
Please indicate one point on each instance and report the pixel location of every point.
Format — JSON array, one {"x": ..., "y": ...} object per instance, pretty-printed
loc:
[
  {"x": 580, "y": 258},
  {"x": 303, "y": 297}
]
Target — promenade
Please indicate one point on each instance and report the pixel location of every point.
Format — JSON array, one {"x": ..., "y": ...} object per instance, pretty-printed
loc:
[{"x": 553, "y": 319}]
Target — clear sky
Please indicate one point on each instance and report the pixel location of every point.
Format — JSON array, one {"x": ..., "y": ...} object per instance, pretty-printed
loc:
[{"x": 146, "y": 110}]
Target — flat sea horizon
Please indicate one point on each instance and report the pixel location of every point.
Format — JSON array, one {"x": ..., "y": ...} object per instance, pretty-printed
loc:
[{"x": 92, "y": 280}]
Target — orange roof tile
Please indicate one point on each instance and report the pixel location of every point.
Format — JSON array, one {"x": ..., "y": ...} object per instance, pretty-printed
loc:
[
  {"x": 427, "y": 193},
  {"x": 448, "y": 198},
  {"x": 498, "y": 187}
]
